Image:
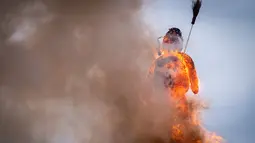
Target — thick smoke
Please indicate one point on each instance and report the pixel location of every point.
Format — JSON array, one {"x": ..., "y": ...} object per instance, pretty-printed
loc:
[{"x": 72, "y": 71}]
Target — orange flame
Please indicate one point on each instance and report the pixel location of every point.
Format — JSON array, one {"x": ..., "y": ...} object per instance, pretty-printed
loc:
[{"x": 185, "y": 78}]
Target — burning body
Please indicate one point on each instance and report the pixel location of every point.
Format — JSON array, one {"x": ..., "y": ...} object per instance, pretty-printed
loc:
[
  {"x": 175, "y": 68},
  {"x": 176, "y": 71}
]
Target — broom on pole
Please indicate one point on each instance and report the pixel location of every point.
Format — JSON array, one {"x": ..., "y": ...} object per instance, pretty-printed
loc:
[{"x": 195, "y": 7}]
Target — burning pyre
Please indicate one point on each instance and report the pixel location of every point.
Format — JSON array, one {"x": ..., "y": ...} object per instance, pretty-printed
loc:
[{"x": 185, "y": 123}]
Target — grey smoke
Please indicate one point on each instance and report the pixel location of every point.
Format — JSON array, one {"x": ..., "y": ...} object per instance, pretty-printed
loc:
[{"x": 73, "y": 72}]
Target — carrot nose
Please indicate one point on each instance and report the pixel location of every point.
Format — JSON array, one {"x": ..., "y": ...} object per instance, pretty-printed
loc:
[{"x": 166, "y": 40}]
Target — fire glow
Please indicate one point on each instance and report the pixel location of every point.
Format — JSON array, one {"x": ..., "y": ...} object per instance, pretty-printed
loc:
[{"x": 186, "y": 127}]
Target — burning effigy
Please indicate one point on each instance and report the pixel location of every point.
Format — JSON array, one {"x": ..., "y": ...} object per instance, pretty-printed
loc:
[{"x": 177, "y": 73}]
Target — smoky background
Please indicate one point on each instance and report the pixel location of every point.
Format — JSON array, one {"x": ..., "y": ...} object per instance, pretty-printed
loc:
[{"x": 73, "y": 72}]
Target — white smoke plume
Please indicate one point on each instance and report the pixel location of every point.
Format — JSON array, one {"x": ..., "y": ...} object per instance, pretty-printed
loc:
[{"x": 73, "y": 72}]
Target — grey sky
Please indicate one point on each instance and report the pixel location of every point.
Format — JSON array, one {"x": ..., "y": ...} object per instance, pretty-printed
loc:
[
  {"x": 222, "y": 46},
  {"x": 233, "y": 9}
]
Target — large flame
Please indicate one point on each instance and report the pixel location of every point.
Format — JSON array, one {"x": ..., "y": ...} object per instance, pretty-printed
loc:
[{"x": 187, "y": 126}]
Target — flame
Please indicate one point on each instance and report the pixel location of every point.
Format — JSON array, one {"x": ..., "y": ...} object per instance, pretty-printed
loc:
[{"x": 187, "y": 115}]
